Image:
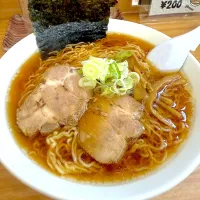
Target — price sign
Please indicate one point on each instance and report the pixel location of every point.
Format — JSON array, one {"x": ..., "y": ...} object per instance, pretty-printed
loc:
[
  {"x": 163, "y": 7},
  {"x": 171, "y": 4}
]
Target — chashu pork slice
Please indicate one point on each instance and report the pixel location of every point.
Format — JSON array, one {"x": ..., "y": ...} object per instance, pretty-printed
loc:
[
  {"x": 107, "y": 125},
  {"x": 57, "y": 101}
]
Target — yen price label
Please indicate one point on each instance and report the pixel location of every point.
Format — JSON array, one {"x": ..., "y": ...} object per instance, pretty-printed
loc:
[{"x": 163, "y": 7}]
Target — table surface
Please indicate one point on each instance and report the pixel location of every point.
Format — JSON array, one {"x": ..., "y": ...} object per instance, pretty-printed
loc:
[{"x": 11, "y": 188}]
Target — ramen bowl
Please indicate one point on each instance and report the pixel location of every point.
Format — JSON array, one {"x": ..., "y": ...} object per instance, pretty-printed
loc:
[{"x": 175, "y": 170}]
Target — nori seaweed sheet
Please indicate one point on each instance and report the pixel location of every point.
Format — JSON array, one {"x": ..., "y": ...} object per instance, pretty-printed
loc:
[
  {"x": 60, "y": 22},
  {"x": 56, "y": 37}
]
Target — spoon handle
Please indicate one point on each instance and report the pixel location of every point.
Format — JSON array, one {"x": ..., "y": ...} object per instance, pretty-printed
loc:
[{"x": 194, "y": 38}]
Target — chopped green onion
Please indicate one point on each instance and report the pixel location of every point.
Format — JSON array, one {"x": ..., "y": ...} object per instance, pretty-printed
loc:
[
  {"x": 108, "y": 77},
  {"x": 123, "y": 55},
  {"x": 84, "y": 82},
  {"x": 80, "y": 71},
  {"x": 135, "y": 76}
]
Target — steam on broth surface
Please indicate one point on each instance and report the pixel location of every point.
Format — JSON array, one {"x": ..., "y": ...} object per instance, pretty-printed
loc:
[{"x": 164, "y": 102}]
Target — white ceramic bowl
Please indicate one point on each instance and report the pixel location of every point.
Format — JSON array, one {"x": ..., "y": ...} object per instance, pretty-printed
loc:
[{"x": 169, "y": 175}]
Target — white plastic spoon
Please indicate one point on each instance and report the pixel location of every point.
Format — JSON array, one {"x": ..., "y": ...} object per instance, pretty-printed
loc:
[{"x": 171, "y": 54}]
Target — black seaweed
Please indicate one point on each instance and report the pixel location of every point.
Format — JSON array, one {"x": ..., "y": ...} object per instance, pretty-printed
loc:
[
  {"x": 56, "y": 37},
  {"x": 60, "y": 22}
]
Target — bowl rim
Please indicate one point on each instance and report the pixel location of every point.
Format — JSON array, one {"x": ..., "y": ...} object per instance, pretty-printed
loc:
[{"x": 31, "y": 180}]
